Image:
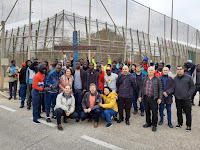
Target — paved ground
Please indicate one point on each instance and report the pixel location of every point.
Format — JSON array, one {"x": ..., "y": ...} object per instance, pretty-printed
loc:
[{"x": 18, "y": 132}]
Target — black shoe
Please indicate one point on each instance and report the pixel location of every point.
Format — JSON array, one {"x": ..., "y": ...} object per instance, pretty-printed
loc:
[
  {"x": 170, "y": 125},
  {"x": 147, "y": 125},
  {"x": 40, "y": 117},
  {"x": 48, "y": 120},
  {"x": 135, "y": 112},
  {"x": 115, "y": 117},
  {"x": 120, "y": 120},
  {"x": 142, "y": 113},
  {"x": 160, "y": 122},
  {"x": 28, "y": 108},
  {"x": 78, "y": 119},
  {"x": 36, "y": 121},
  {"x": 178, "y": 126},
  {"x": 109, "y": 125},
  {"x": 15, "y": 98},
  {"x": 199, "y": 103},
  {"x": 127, "y": 122},
  {"x": 193, "y": 104},
  {"x": 21, "y": 107},
  {"x": 188, "y": 129},
  {"x": 9, "y": 98},
  {"x": 154, "y": 128}
]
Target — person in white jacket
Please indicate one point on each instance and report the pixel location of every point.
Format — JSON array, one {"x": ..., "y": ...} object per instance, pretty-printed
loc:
[{"x": 65, "y": 106}]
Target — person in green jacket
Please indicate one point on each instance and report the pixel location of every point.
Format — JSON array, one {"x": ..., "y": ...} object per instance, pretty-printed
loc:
[{"x": 102, "y": 63}]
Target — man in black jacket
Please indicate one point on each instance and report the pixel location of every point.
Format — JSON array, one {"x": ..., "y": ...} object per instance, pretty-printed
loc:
[
  {"x": 168, "y": 90},
  {"x": 126, "y": 86},
  {"x": 183, "y": 91},
  {"x": 22, "y": 80},
  {"x": 151, "y": 94}
]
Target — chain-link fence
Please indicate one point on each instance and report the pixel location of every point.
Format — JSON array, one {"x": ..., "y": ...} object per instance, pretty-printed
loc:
[{"x": 149, "y": 33}]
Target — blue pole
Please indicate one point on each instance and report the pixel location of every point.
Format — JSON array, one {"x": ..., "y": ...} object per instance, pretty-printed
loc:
[{"x": 75, "y": 52}]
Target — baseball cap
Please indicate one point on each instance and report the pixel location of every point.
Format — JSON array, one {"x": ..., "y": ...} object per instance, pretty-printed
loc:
[{"x": 108, "y": 68}]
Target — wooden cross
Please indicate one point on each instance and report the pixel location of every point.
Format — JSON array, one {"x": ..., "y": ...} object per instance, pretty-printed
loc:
[{"x": 75, "y": 47}]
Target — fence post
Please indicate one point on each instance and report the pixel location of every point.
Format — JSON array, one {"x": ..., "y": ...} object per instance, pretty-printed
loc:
[
  {"x": 132, "y": 48},
  {"x": 139, "y": 47},
  {"x": 146, "y": 55},
  {"x": 86, "y": 27},
  {"x": 46, "y": 33},
  {"x": 188, "y": 30},
  {"x": 2, "y": 53},
  {"x": 177, "y": 47},
  {"x": 196, "y": 45},
  {"x": 159, "y": 48},
  {"x": 149, "y": 44}
]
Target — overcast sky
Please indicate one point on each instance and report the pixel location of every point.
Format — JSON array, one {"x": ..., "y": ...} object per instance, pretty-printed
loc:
[{"x": 187, "y": 11}]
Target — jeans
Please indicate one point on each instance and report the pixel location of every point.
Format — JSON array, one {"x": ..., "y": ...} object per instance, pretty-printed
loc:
[
  {"x": 135, "y": 97},
  {"x": 107, "y": 114},
  {"x": 95, "y": 112},
  {"x": 23, "y": 88},
  {"x": 59, "y": 113},
  {"x": 78, "y": 101},
  {"x": 36, "y": 100},
  {"x": 11, "y": 86},
  {"x": 161, "y": 110},
  {"x": 29, "y": 95},
  {"x": 184, "y": 105},
  {"x": 50, "y": 102}
]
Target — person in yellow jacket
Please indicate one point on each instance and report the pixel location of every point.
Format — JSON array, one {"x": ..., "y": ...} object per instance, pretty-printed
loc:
[
  {"x": 102, "y": 63},
  {"x": 110, "y": 105}
]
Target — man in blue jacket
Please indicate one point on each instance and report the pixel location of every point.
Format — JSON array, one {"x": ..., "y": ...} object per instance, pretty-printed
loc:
[
  {"x": 138, "y": 76},
  {"x": 52, "y": 81}
]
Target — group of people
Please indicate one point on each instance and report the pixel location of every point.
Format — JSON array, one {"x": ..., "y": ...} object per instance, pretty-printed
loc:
[{"x": 84, "y": 89}]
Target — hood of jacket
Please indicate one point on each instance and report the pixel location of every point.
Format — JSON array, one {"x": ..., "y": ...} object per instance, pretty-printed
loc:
[{"x": 41, "y": 67}]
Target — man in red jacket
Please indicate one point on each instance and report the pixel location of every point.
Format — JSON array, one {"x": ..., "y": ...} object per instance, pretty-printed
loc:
[
  {"x": 159, "y": 72},
  {"x": 101, "y": 77},
  {"x": 37, "y": 92}
]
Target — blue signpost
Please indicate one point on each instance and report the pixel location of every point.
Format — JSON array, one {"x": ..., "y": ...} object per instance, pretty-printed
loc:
[{"x": 75, "y": 52}]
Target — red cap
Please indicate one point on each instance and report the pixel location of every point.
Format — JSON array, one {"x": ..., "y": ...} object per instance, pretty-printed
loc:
[
  {"x": 23, "y": 64},
  {"x": 108, "y": 68}
]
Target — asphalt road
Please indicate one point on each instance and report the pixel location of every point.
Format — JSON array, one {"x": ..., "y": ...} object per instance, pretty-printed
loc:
[{"x": 18, "y": 132}]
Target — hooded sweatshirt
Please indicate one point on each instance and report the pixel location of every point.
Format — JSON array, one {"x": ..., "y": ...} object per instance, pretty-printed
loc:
[{"x": 38, "y": 80}]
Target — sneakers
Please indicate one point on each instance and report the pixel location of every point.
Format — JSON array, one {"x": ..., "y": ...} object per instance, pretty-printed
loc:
[
  {"x": 170, "y": 125},
  {"x": 48, "y": 120},
  {"x": 178, "y": 126},
  {"x": 160, "y": 122},
  {"x": 53, "y": 117},
  {"x": 9, "y": 98},
  {"x": 15, "y": 98},
  {"x": 146, "y": 125},
  {"x": 109, "y": 125},
  {"x": 135, "y": 112},
  {"x": 21, "y": 107},
  {"x": 120, "y": 120},
  {"x": 142, "y": 114},
  {"x": 188, "y": 129},
  {"x": 36, "y": 121},
  {"x": 28, "y": 108},
  {"x": 60, "y": 127}
]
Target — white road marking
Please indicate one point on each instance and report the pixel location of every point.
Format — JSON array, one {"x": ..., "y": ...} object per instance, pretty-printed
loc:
[
  {"x": 46, "y": 123},
  {"x": 101, "y": 143},
  {"x": 3, "y": 94},
  {"x": 7, "y": 108}
]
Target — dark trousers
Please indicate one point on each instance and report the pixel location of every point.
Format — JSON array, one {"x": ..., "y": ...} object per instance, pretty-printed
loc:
[
  {"x": 135, "y": 97},
  {"x": 50, "y": 102},
  {"x": 96, "y": 112},
  {"x": 44, "y": 101},
  {"x": 196, "y": 90},
  {"x": 184, "y": 105},
  {"x": 78, "y": 101},
  {"x": 36, "y": 100},
  {"x": 60, "y": 112},
  {"x": 23, "y": 93},
  {"x": 124, "y": 103},
  {"x": 11, "y": 86},
  {"x": 151, "y": 105},
  {"x": 29, "y": 95}
]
